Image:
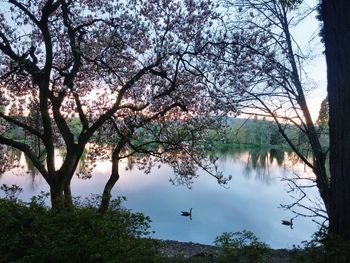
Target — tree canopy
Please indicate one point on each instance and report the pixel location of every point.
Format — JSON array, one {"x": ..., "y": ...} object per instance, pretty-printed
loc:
[{"x": 122, "y": 67}]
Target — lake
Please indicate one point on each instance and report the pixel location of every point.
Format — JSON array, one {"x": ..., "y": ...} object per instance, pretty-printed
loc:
[{"x": 250, "y": 201}]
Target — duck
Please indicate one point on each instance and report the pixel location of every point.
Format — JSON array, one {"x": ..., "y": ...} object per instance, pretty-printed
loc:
[
  {"x": 186, "y": 213},
  {"x": 288, "y": 223}
]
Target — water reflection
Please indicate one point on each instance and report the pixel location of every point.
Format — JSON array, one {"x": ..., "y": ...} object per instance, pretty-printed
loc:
[
  {"x": 256, "y": 161},
  {"x": 250, "y": 202}
]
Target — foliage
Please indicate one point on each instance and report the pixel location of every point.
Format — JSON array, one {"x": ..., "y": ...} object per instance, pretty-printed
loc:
[
  {"x": 33, "y": 233},
  {"x": 11, "y": 192},
  {"x": 241, "y": 247},
  {"x": 323, "y": 116},
  {"x": 322, "y": 123},
  {"x": 200, "y": 258},
  {"x": 256, "y": 132},
  {"x": 248, "y": 133},
  {"x": 291, "y": 3},
  {"x": 322, "y": 248},
  {"x": 76, "y": 72}
]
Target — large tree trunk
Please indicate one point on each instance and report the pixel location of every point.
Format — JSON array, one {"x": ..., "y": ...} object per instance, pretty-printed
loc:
[
  {"x": 68, "y": 201},
  {"x": 336, "y": 15},
  {"x": 61, "y": 196},
  {"x": 57, "y": 197}
]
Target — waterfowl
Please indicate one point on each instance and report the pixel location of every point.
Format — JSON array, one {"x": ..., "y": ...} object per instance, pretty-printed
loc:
[
  {"x": 186, "y": 213},
  {"x": 288, "y": 223}
]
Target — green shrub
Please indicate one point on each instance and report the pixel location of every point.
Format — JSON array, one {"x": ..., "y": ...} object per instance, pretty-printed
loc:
[
  {"x": 322, "y": 249},
  {"x": 33, "y": 233},
  {"x": 243, "y": 247}
]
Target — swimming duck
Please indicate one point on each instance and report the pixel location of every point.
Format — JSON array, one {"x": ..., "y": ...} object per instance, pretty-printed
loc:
[
  {"x": 186, "y": 213},
  {"x": 288, "y": 223}
]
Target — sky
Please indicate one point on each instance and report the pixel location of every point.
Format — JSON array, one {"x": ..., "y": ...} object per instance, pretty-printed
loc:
[{"x": 306, "y": 34}]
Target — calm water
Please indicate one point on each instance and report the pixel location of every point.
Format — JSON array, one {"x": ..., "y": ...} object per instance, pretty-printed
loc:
[{"x": 250, "y": 201}]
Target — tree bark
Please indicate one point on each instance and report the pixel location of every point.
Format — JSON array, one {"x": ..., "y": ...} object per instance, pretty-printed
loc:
[
  {"x": 336, "y": 16},
  {"x": 106, "y": 196},
  {"x": 68, "y": 202},
  {"x": 57, "y": 197},
  {"x": 61, "y": 196}
]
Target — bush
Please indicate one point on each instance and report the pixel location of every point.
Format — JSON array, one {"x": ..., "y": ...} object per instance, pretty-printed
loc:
[
  {"x": 323, "y": 249},
  {"x": 243, "y": 247},
  {"x": 34, "y": 233}
]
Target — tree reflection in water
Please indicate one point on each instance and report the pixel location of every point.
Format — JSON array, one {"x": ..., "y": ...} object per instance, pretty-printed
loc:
[{"x": 256, "y": 161}]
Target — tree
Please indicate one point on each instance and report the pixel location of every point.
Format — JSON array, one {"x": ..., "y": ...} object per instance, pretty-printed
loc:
[
  {"x": 264, "y": 67},
  {"x": 323, "y": 116},
  {"x": 322, "y": 123},
  {"x": 336, "y": 16},
  {"x": 270, "y": 74},
  {"x": 122, "y": 67}
]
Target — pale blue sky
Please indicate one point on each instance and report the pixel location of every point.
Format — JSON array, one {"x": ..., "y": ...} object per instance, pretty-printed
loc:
[{"x": 306, "y": 34}]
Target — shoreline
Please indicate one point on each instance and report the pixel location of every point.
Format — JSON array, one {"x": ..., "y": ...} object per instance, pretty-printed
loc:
[
  {"x": 187, "y": 249},
  {"x": 173, "y": 248}
]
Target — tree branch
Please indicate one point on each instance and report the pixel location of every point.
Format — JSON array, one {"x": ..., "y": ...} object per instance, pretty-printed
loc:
[
  {"x": 22, "y": 125},
  {"x": 31, "y": 155},
  {"x": 25, "y": 10},
  {"x": 85, "y": 135}
]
